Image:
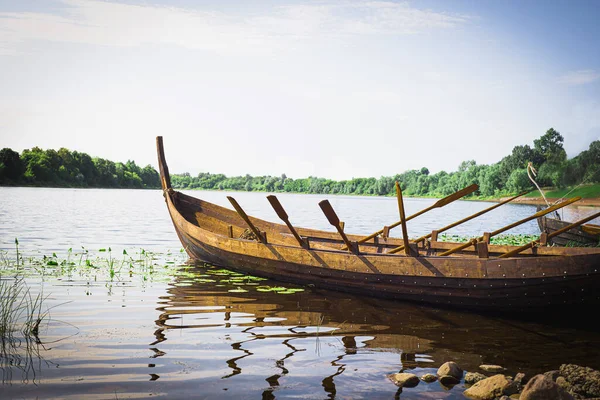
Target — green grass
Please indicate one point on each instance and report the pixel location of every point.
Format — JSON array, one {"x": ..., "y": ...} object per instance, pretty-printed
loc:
[
  {"x": 586, "y": 192},
  {"x": 21, "y": 311}
]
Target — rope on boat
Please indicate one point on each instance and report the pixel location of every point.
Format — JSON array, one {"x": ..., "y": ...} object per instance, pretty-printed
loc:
[
  {"x": 576, "y": 187},
  {"x": 248, "y": 235},
  {"x": 531, "y": 170}
]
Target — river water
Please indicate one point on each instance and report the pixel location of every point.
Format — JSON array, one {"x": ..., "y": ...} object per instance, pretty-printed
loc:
[{"x": 201, "y": 332}]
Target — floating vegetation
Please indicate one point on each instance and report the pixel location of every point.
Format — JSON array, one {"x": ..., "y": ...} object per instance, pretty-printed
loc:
[
  {"x": 204, "y": 280},
  {"x": 130, "y": 268},
  {"x": 511, "y": 240},
  {"x": 238, "y": 290},
  {"x": 278, "y": 289},
  {"x": 140, "y": 264}
]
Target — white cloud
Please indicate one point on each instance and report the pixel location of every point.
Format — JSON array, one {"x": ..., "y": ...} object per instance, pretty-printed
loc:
[
  {"x": 117, "y": 24},
  {"x": 580, "y": 77}
]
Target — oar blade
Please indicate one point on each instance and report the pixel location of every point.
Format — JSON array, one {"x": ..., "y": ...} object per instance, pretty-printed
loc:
[
  {"x": 277, "y": 207},
  {"x": 455, "y": 196},
  {"x": 329, "y": 213}
]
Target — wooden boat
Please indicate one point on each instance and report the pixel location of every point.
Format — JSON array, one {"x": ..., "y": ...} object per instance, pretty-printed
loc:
[
  {"x": 580, "y": 235},
  {"x": 474, "y": 275},
  {"x": 584, "y": 235}
]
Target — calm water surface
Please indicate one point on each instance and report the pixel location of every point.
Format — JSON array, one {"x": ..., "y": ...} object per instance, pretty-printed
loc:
[{"x": 202, "y": 333}]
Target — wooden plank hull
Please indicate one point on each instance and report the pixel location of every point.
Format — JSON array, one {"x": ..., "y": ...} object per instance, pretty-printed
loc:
[
  {"x": 509, "y": 295},
  {"x": 573, "y": 237},
  {"x": 470, "y": 283}
]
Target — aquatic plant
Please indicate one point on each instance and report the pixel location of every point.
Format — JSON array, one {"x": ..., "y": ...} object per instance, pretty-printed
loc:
[
  {"x": 20, "y": 309},
  {"x": 511, "y": 239}
]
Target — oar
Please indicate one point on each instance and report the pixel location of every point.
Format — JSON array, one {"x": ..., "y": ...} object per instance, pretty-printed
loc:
[
  {"x": 452, "y": 225},
  {"x": 244, "y": 216},
  {"x": 535, "y": 243},
  {"x": 335, "y": 221},
  {"x": 507, "y": 227},
  {"x": 402, "y": 218},
  {"x": 440, "y": 203},
  {"x": 284, "y": 217}
]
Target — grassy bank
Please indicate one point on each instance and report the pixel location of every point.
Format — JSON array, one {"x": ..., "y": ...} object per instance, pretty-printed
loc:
[{"x": 585, "y": 191}]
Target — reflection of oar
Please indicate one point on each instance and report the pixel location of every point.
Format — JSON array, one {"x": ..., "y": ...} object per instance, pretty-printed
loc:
[
  {"x": 535, "y": 243},
  {"x": 507, "y": 227},
  {"x": 440, "y": 203},
  {"x": 402, "y": 218},
  {"x": 335, "y": 221},
  {"x": 452, "y": 225},
  {"x": 284, "y": 217},
  {"x": 244, "y": 216}
]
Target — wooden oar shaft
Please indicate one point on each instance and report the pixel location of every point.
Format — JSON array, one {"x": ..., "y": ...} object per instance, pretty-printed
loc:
[
  {"x": 535, "y": 243},
  {"x": 244, "y": 216},
  {"x": 536, "y": 215},
  {"x": 335, "y": 221},
  {"x": 507, "y": 227},
  {"x": 402, "y": 218},
  {"x": 462, "y": 221},
  {"x": 440, "y": 203},
  {"x": 279, "y": 210}
]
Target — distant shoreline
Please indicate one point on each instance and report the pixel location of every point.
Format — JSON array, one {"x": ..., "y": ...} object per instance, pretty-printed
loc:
[{"x": 589, "y": 202}]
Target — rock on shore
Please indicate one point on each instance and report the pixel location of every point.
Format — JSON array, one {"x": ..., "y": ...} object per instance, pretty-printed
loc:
[
  {"x": 581, "y": 381},
  {"x": 570, "y": 382},
  {"x": 542, "y": 387}
]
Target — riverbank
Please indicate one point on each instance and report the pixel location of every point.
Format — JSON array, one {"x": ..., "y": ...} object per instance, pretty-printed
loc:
[{"x": 588, "y": 202}]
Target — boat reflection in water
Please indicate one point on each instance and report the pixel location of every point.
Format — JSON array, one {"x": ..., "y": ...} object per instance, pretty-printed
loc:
[{"x": 230, "y": 332}]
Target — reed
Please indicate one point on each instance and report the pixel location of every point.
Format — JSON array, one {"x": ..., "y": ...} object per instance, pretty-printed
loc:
[{"x": 20, "y": 309}]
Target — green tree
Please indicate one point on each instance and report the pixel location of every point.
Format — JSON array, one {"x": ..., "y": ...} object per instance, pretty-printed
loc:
[
  {"x": 550, "y": 146},
  {"x": 150, "y": 177},
  {"x": 12, "y": 167},
  {"x": 39, "y": 166},
  {"x": 518, "y": 181}
]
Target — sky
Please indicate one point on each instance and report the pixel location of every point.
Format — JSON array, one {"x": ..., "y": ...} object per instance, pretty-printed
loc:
[{"x": 334, "y": 89}]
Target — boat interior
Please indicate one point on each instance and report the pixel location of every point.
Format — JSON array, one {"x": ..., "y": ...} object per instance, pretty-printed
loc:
[{"x": 237, "y": 225}]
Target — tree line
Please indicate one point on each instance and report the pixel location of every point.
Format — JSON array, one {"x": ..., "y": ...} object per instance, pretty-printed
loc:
[
  {"x": 65, "y": 168},
  {"x": 506, "y": 177}
]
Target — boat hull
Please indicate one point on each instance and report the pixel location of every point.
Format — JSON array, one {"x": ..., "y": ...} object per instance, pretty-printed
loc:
[
  {"x": 573, "y": 237},
  {"x": 493, "y": 285}
]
